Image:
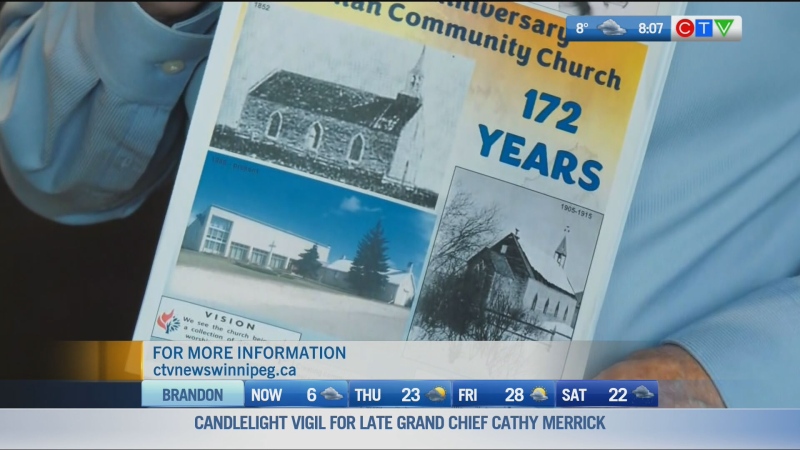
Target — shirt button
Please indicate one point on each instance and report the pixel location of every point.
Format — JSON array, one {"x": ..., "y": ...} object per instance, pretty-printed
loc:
[
  {"x": 123, "y": 162},
  {"x": 173, "y": 67}
]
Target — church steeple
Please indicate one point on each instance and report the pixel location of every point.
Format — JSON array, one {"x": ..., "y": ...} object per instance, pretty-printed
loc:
[
  {"x": 561, "y": 252},
  {"x": 415, "y": 78}
]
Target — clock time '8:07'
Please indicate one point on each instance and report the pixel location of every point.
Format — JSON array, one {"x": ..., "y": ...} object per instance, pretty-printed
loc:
[{"x": 651, "y": 28}]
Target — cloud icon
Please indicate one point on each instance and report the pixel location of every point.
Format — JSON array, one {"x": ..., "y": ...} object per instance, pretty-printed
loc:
[
  {"x": 642, "y": 392},
  {"x": 539, "y": 394},
  {"x": 436, "y": 394},
  {"x": 331, "y": 394},
  {"x": 611, "y": 28}
]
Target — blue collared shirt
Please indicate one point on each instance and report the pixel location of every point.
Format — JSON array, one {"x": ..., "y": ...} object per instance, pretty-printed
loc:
[
  {"x": 88, "y": 95},
  {"x": 89, "y": 126}
]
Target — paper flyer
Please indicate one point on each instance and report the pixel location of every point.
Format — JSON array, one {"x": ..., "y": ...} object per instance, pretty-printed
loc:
[{"x": 384, "y": 171}]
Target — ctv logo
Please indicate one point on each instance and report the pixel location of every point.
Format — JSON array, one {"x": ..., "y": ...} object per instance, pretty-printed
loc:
[{"x": 728, "y": 28}]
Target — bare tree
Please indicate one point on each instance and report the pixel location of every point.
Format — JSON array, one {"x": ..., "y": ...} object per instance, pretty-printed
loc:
[
  {"x": 503, "y": 318},
  {"x": 457, "y": 304},
  {"x": 464, "y": 230},
  {"x": 445, "y": 302},
  {"x": 466, "y": 306}
]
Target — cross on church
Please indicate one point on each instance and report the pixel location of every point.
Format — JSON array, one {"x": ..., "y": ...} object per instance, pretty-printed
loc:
[
  {"x": 516, "y": 232},
  {"x": 269, "y": 257},
  {"x": 566, "y": 229}
]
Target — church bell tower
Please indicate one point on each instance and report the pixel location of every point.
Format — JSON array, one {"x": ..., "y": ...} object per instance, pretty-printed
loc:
[
  {"x": 415, "y": 78},
  {"x": 561, "y": 252},
  {"x": 408, "y": 156}
]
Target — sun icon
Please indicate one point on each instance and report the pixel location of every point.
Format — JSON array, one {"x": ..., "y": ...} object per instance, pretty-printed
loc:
[
  {"x": 436, "y": 394},
  {"x": 539, "y": 394}
]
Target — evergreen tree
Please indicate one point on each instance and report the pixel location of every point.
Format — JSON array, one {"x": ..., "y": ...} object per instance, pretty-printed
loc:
[
  {"x": 308, "y": 265},
  {"x": 367, "y": 274}
]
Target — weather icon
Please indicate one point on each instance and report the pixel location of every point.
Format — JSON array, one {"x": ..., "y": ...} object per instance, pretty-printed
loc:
[
  {"x": 642, "y": 392},
  {"x": 539, "y": 394},
  {"x": 611, "y": 28},
  {"x": 436, "y": 394},
  {"x": 331, "y": 394}
]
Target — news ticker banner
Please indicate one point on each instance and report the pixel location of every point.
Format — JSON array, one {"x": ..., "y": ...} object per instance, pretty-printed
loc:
[
  {"x": 399, "y": 394},
  {"x": 654, "y": 28},
  {"x": 323, "y": 394},
  {"x": 400, "y": 428}
]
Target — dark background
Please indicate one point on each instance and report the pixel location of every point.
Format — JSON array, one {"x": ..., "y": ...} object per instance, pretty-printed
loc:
[
  {"x": 60, "y": 283},
  {"x": 63, "y": 283}
]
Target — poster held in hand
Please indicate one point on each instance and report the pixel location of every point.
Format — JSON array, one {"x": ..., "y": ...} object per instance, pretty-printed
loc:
[{"x": 380, "y": 172}]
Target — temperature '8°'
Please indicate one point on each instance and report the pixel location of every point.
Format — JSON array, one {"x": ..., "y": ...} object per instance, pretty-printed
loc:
[{"x": 580, "y": 26}]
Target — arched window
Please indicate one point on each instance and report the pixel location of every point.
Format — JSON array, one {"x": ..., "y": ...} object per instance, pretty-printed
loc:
[
  {"x": 546, "y": 306},
  {"x": 356, "y": 149},
  {"x": 274, "y": 125},
  {"x": 566, "y": 311},
  {"x": 535, "y": 301},
  {"x": 314, "y": 136},
  {"x": 555, "y": 313}
]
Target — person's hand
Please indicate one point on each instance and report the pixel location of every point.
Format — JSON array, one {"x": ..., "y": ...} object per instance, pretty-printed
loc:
[
  {"x": 167, "y": 12},
  {"x": 682, "y": 382}
]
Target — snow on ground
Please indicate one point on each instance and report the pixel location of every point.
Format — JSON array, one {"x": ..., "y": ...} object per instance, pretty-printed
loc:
[
  {"x": 511, "y": 359},
  {"x": 560, "y": 328},
  {"x": 303, "y": 309}
]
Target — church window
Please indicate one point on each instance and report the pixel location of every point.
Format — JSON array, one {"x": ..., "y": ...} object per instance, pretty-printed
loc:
[
  {"x": 314, "y": 136},
  {"x": 239, "y": 252},
  {"x": 274, "y": 125},
  {"x": 356, "y": 149},
  {"x": 535, "y": 301},
  {"x": 278, "y": 262},
  {"x": 555, "y": 313},
  {"x": 217, "y": 235},
  {"x": 566, "y": 311},
  {"x": 546, "y": 306}
]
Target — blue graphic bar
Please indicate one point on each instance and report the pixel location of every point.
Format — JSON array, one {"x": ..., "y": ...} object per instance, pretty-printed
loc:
[
  {"x": 330, "y": 394},
  {"x": 296, "y": 394},
  {"x": 192, "y": 393},
  {"x": 504, "y": 394},
  {"x": 621, "y": 29},
  {"x": 602, "y": 394},
  {"x": 401, "y": 394}
]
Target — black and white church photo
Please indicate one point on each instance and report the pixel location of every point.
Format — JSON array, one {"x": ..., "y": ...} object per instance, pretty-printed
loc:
[
  {"x": 508, "y": 264},
  {"x": 355, "y": 106}
]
